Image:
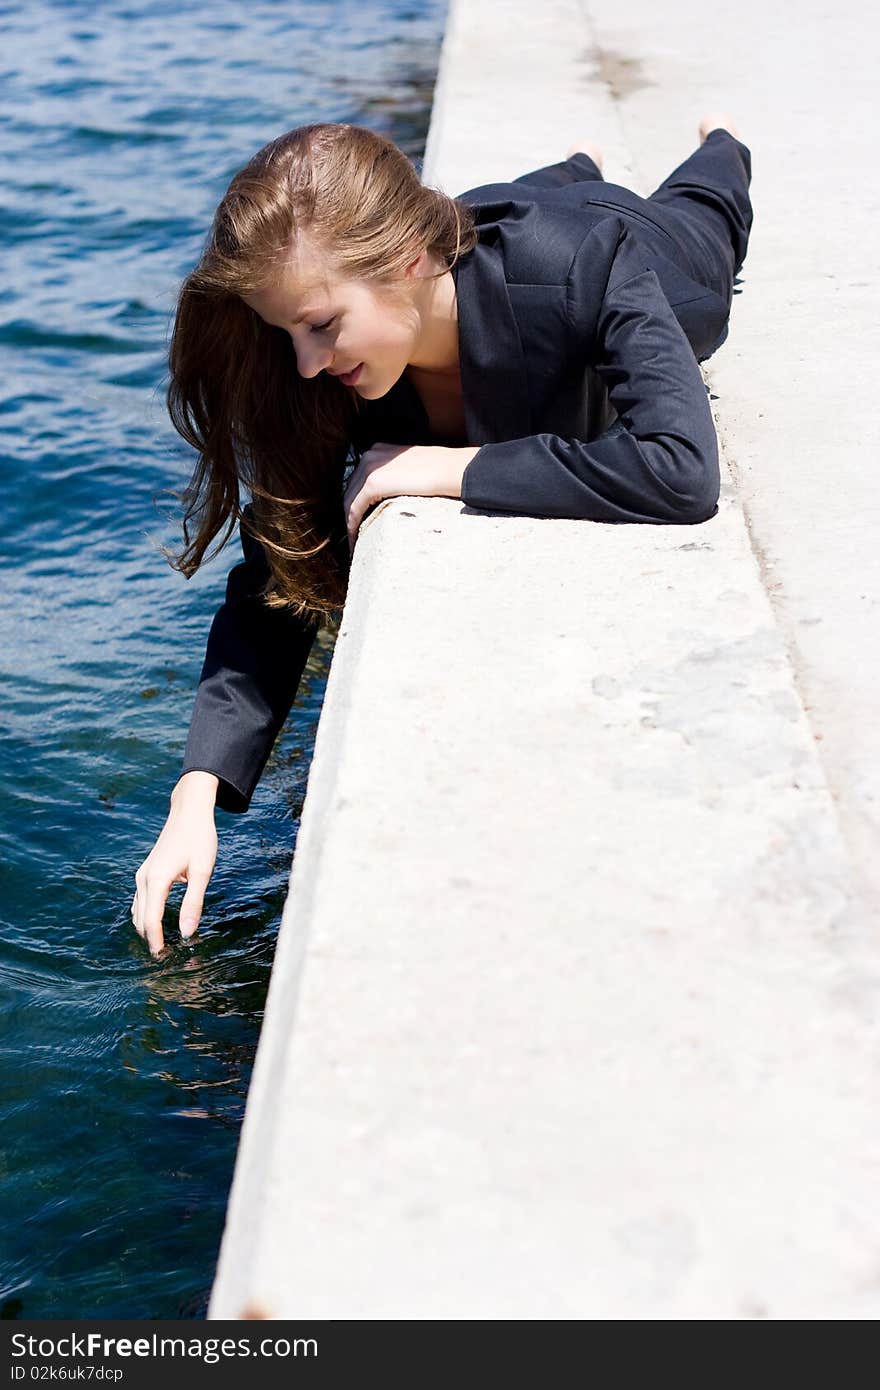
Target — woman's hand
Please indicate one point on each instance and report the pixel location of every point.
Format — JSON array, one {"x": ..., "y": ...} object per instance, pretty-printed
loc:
[
  {"x": 185, "y": 852},
  {"x": 402, "y": 470}
]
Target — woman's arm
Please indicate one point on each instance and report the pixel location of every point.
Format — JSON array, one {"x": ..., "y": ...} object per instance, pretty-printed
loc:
[
  {"x": 659, "y": 463},
  {"x": 251, "y": 673},
  {"x": 253, "y": 665}
]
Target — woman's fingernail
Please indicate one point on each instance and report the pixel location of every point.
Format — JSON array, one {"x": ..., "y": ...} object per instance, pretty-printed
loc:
[{"x": 188, "y": 925}]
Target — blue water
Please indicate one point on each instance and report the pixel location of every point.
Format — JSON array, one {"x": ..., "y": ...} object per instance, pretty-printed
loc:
[{"x": 124, "y": 1078}]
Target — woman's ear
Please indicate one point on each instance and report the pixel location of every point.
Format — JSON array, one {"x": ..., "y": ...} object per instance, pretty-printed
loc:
[{"x": 420, "y": 267}]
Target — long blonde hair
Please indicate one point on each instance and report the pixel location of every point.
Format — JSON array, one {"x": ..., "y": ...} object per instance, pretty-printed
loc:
[{"x": 234, "y": 392}]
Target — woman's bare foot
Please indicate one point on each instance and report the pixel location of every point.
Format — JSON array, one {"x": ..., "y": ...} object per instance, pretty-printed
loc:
[
  {"x": 718, "y": 120},
  {"x": 586, "y": 147}
]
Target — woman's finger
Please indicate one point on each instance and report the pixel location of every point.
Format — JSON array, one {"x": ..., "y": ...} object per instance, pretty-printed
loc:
[
  {"x": 353, "y": 523},
  {"x": 154, "y": 908},
  {"x": 138, "y": 903},
  {"x": 364, "y": 488},
  {"x": 193, "y": 902},
  {"x": 355, "y": 508}
]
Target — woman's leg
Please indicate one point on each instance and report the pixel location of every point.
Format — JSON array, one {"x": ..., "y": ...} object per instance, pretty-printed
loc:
[
  {"x": 709, "y": 194},
  {"x": 579, "y": 166}
]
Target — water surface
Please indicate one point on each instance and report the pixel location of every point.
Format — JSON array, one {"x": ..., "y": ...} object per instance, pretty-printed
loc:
[{"x": 124, "y": 1078}]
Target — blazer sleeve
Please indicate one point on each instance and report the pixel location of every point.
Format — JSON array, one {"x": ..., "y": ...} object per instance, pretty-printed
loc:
[
  {"x": 253, "y": 665},
  {"x": 659, "y": 461}
]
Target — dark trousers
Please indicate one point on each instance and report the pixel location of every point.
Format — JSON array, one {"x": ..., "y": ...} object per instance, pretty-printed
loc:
[{"x": 704, "y": 205}]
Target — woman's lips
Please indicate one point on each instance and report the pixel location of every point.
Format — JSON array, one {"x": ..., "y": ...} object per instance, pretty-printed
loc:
[{"x": 350, "y": 378}]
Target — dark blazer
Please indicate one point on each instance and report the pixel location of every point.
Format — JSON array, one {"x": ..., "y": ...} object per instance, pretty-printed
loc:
[{"x": 582, "y": 312}]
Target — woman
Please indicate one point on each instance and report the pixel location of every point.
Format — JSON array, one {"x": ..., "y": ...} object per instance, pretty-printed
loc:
[{"x": 529, "y": 348}]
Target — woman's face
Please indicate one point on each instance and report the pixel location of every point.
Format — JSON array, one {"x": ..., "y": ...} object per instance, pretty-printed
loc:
[{"x": 341, "y": 326}]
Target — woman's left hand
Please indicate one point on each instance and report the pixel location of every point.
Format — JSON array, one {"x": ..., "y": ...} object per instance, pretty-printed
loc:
[{"x": 402, "y": 470}]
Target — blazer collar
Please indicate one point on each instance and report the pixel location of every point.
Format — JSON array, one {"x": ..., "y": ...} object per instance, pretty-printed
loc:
[{"x": 494, "y": 380}]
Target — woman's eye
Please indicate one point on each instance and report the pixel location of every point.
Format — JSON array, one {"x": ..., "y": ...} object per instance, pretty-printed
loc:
[{"x": 322, "y": 327}]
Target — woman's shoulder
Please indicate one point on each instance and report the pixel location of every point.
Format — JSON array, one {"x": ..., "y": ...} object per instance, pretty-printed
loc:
[{"x": 536, "y": 236}]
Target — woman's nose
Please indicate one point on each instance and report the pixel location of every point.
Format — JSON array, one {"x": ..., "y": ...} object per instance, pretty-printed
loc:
[{"x": 312, "y": 358}]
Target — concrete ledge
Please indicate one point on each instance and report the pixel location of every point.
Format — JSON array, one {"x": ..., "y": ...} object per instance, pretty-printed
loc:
[{"x": 572, "y": 1009}]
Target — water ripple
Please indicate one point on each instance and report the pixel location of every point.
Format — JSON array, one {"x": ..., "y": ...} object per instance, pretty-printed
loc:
[{"x": 126, "y": 1077}]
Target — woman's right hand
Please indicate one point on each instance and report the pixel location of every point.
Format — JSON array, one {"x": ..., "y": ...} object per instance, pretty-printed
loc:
[{"x": 185, "y": 852}]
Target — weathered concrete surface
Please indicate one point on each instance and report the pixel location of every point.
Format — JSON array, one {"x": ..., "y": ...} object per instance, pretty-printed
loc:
[
  {"x": 797, "y": 379},
  {"x": 574, "y": 1008}
]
